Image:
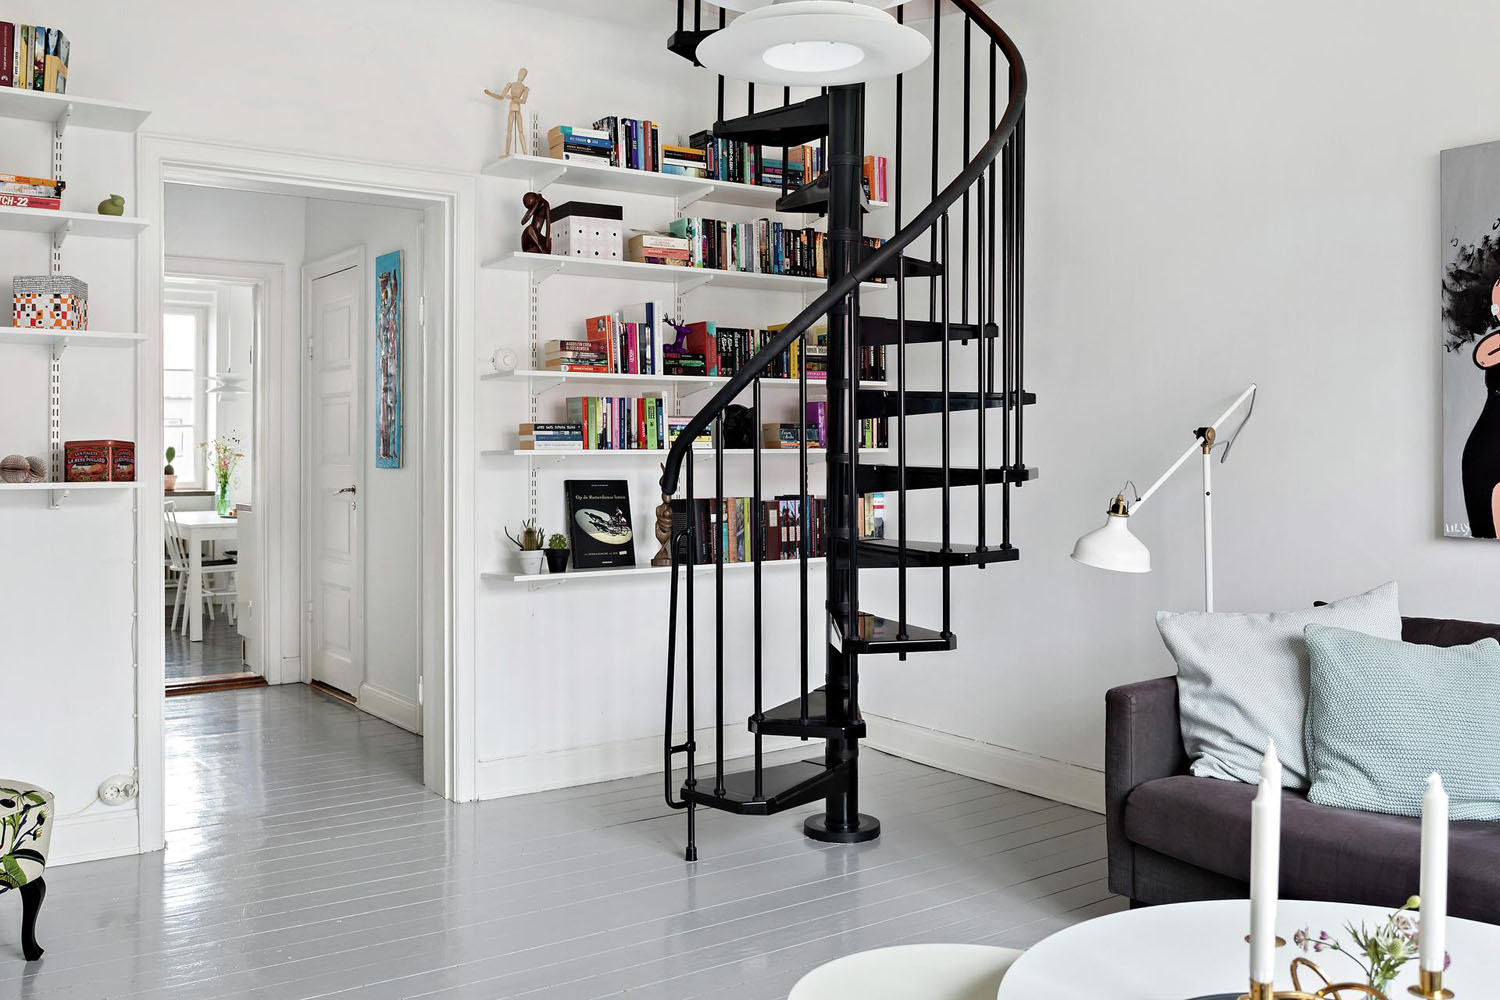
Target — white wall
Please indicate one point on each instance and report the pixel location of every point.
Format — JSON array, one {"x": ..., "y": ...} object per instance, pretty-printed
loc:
[
  {"x": 1216, "y": 195},
  {"x": 390, "y": 500}
]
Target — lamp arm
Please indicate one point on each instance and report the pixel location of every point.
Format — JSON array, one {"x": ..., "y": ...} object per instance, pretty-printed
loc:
[{"x": 1196, "y": 448}]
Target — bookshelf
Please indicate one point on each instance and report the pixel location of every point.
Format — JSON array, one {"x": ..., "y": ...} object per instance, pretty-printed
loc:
[
  {"x": 61, "y": 112},
  {"x": 543, "y": 171},
  {"x": 540, "y": 267},
  {"x": 813, "y": 454},
  {"x": 540, "y": 380},
  {"x": 535, "y": 580}
]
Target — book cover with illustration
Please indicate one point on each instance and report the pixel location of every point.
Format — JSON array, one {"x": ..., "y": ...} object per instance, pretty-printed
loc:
[{"x": 599, "y": 523}]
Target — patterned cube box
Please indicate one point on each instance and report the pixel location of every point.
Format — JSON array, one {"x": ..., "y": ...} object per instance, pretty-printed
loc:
[
  {"x": 99, "y": 461},
  {"x": 586, "y": 229},
  {"x": 51, "y": 302}
]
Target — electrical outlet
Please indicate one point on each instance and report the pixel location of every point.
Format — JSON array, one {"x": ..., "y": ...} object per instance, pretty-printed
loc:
[{"x": 118, "y": 788}]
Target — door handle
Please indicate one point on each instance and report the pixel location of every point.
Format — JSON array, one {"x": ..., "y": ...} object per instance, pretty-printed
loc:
[{"x": 347, "y": 489}]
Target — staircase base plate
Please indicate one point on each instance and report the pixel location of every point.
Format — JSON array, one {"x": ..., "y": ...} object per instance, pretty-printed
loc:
[{"x": 816, "y": 828}]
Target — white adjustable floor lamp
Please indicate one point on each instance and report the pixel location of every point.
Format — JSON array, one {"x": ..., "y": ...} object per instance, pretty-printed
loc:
[{"x": 1113, "y": 547}]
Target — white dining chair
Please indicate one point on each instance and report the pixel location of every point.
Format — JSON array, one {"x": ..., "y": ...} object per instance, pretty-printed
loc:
[{"x": 179, "y": 563}]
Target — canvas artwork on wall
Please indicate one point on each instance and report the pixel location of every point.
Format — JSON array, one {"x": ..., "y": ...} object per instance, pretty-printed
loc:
[
  {"x": 1471, "y": 340},
  {"x": 389, "y": 295}
]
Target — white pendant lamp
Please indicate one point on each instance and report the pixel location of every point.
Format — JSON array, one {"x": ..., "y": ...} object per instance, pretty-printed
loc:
[
  {"x": 814, "y": 43},
  {"x": 1113, "y": 547}
]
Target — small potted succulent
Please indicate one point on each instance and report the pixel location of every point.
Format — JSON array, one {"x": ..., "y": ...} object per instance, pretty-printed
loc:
[
  {"x": 169, "y": 474},
  {"x": 529, "y": 542},
  {"x": 557, "y": 554}
]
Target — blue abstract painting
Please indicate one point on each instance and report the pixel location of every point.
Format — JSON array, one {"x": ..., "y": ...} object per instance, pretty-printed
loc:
[{"x": 389, "y": 297}]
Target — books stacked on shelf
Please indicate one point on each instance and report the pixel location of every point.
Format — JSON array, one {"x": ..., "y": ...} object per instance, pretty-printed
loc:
[
  {"x": 764, "y": 246},
  {"x": 625, "y": 343},
  {"x": 18, "y": 191},
  {"x": 654, "y": 248},
  {"x": 686, "y": 161},
  {"x": 874, "y": 432},
  {"x": 583, "y": 145},
  {"x": 877, "y": 185},
  {"x": 619, "y": 423},
  {"x": 675, "y": 427},
  {"x": 34, "y": 58},
  {"x": 729, "y": 526},
  {"x": 551, "y": 437},
  {"x": 741, "y": 163},
  {"x": 634, "y": 144}
]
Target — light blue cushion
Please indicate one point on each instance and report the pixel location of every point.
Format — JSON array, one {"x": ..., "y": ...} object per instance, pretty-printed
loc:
[
  {"x": 1242, "y": 681},
  {"x": 1383, "y": 715}
]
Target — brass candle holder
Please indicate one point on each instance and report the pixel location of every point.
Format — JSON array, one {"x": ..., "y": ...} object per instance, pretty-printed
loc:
[{"x": 1430, "y": 986}]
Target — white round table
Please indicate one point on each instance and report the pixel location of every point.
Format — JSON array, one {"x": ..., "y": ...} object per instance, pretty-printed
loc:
[
  {"x": 909, "y": 972},
  {"x": 1190, "y": 950}
]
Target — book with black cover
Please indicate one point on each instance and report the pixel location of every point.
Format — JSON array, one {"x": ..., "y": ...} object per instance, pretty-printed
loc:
[{"x": 599, "y": 523}]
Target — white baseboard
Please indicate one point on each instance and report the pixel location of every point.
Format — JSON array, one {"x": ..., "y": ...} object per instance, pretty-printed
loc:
[
  {"x": 394, "y": 708},
  {"x": 1051, "y": 779},
  {"x": 100, "y": 833},
  {"x": 539, "y": 772}
]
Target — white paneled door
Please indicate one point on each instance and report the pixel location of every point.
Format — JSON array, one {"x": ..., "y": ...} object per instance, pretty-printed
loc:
[{"x": 337, "y": 601}]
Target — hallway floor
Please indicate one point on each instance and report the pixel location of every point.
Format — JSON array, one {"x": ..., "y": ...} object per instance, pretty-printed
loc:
[{"x": 305, "y": 859}]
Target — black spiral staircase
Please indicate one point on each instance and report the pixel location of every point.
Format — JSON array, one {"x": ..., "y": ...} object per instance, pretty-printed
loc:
[{"x": 986, "y": 273}]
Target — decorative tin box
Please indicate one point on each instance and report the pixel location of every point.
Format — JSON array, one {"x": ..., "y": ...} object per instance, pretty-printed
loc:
[
  {"x": 51, "y": 302},
  {"x": 586, "y": 229},
  {"x": 99, "y": 461}
]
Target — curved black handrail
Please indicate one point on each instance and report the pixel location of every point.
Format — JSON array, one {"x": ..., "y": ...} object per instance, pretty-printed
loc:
[{"x": 891, "y": 249}]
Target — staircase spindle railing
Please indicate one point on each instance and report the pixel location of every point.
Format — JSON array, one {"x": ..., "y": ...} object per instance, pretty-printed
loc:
[
  {"x": 758, "y": 541},
  {"x": 937, "y": 90},
  {"x": 719, "y": 546},
  {"x": 947, "y": 417},
  {"x": 1020, "y": 312},
  {"x": 901, "y": 551},
  {"x": 804, "y": 542},
  {"x": 964, "y": 283}
]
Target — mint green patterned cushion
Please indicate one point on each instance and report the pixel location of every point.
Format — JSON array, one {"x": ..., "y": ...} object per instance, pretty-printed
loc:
[
  {"x": 1242, "y": 681},
  {"x": 25, "y": 832},
  {"x": 1383, "y": 715}
]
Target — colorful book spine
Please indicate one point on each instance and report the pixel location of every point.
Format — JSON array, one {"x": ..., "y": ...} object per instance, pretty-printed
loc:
[{"x": 7, "y": 53}]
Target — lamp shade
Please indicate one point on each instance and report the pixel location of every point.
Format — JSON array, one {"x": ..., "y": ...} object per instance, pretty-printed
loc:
[
  {"x": 814, "y": 43},
  {"x": 1113, "y": 547}
]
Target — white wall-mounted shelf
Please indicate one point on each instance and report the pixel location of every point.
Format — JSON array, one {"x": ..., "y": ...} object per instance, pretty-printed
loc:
[
  {"x": 82, "y": 112},
  {"x": 543, "y": 266},
  {"x": 63, "y": 224},
  {"x": 65, "y": 487},
  {"x": 540, "y": 380},
  {"x": 583, "y": 575},
  {"x": 542, "y": 171},
  {"x": 65, "y": 338},
  {"x": 813, "y": 454}
]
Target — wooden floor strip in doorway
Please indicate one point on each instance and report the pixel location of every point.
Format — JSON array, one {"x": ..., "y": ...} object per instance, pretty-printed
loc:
[
  {"x": 333, "y": 692},
  {"x": 218, "y": 682}
]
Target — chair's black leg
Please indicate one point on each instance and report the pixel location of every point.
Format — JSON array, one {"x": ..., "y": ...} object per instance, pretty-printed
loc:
[{"x": 32, "y": 894}]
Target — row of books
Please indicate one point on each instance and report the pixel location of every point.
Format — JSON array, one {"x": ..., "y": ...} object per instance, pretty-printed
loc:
[
  {"x": 728, "y": 526},
  {"x": 20, "y": 191},
  {"x": 628, "y": 342},
  {"x": 764, "y": 246},
  {"x": 873, "y": 431},
  {"x": 735, "y": 346},
  {"x": 618, "y": 423},
  {"x": 34, "y": 58}
]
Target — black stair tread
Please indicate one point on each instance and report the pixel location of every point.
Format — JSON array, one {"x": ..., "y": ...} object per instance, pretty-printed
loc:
[
  {"x": 884, "y": 553},
  {"x": 887, "y": 403},
  {"x": 783, "y": 786},
  {"x": 875, "y": 331},
  {"x": 685, "y": 43},
  {"x": 886, "y": 478},
  {"x": 915, "y": 268},
  {"x": 874, "y": 634},
  {"x": 792, "y": 125},
  {"x": 786, "y": 720},
  {"x": 813, "y": 197}
]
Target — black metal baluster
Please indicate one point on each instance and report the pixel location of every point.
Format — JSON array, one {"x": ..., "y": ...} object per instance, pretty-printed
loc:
[
  {"x": 758, "y": 540},
  {"x": 947, "y": 435},
  {"x": 1020, "y": 323},
  {"x": 854, "y": 355},
  {"x": 802, "y": 505},
  {"x": 786, "y": 151},
  {"x": 901, "y": 552},
  {"x": 719, "y": 546},
  {"x": 1007, "y": 286},
  {"x": 691, "y": 688},
  {"x": 937, "y": 67},
  {"x": 964, "y": 284}
]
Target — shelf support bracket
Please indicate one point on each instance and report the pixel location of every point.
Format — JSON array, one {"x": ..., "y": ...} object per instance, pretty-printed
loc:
[
  {"x": 56, "y": 497},
  {"x": 693, "y": 197},
  {"x": 547, "y": 177},
  {"x": 686, "y": 285},
  {"x": 541, "y": 272}
]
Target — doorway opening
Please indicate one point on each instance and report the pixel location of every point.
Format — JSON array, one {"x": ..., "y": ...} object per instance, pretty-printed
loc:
[{"x": 399, "y": 522}]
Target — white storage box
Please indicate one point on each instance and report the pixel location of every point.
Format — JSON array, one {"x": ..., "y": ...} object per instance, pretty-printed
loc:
[{"x": 585, "y": 229}]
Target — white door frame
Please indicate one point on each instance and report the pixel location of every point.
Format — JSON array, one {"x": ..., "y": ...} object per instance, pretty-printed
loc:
[
  {"x": 449, "y": 200},
  {"x": 313, "y": 270},
  {"x": 269, "y": 280}
]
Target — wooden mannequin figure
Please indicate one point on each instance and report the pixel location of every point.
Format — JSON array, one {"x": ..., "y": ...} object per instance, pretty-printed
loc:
[
  {"x": 536, "y": 224},
  {"x": 517, "y": 93},
  {"x": 663, "y": 530}
]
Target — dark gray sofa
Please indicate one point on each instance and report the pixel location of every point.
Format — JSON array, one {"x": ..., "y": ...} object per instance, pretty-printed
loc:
[{"x": 1175, "y": 838}]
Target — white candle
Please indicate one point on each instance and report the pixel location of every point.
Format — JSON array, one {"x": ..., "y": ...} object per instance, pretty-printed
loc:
[
  {"x": 1434, "y": 875},
  {"x": 1265, "y": 868}
]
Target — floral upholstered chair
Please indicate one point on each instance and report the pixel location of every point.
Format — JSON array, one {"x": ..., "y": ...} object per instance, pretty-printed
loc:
[{"x": 25, "y": 831}]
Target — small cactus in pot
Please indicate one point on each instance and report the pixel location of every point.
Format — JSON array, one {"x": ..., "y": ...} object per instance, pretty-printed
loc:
[
  {"x": 169, "y": 474},
  {"x": 529, "y": 541},
  {"x": 557, "y": 554}
]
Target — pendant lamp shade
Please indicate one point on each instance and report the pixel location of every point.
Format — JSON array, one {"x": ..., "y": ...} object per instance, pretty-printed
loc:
[
  {"x": 1113, "y": 547},
  {"x": 814, "y": 43}
]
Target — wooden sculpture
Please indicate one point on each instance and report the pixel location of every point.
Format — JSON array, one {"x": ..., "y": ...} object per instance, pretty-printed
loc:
[
  {"x": 536, "y": 224},
  {"x": 517, "y": 93},
  {"x": 663, "y": 556}
]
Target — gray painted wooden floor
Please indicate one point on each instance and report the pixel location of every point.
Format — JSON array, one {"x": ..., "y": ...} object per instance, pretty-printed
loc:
[{"x": 305, "y": 860}]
